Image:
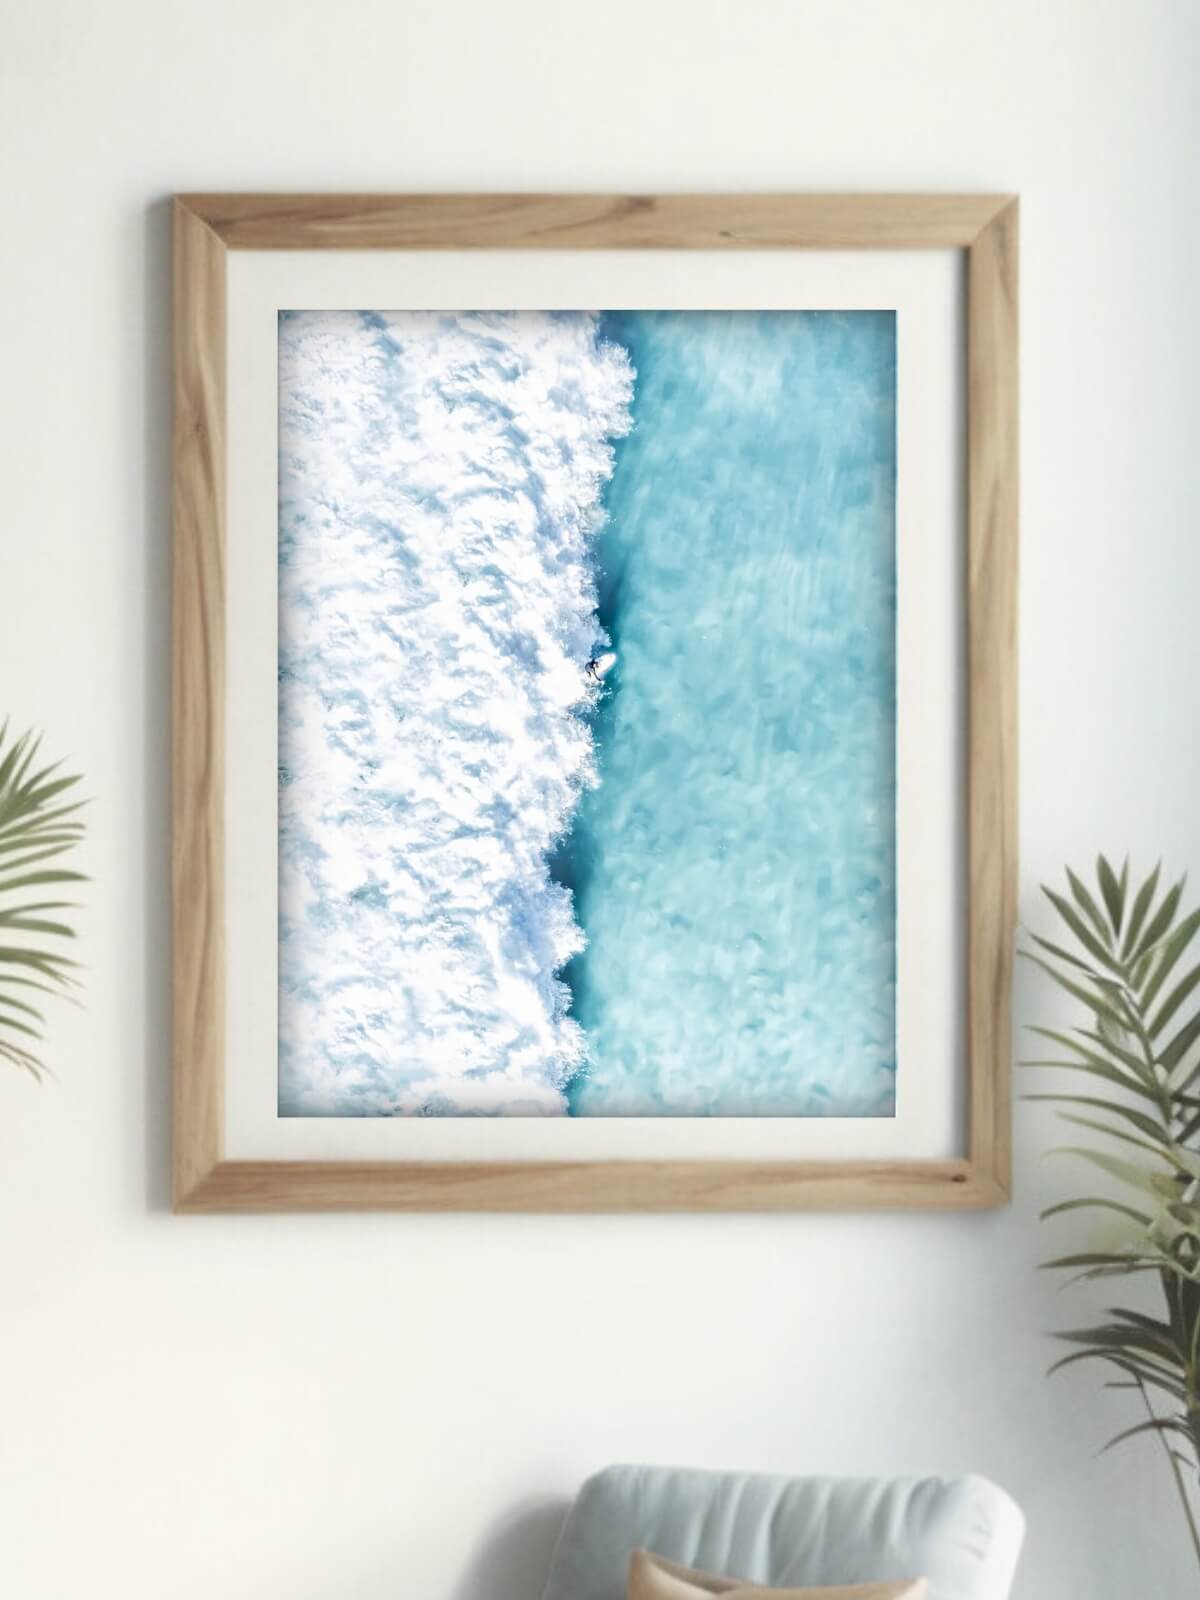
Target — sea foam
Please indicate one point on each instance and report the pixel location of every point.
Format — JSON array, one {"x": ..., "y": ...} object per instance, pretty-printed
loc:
[{"x": 440, "y": 491}]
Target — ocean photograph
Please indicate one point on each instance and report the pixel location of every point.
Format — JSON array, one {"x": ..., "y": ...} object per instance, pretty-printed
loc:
[{"x": 587, "y": 713}]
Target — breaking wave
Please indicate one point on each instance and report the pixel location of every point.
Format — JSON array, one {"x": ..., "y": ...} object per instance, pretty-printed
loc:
[{"x": 440, "y": 491}]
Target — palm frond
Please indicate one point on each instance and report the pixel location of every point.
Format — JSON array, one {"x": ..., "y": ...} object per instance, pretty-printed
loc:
[
  {"x": 1119, "y": 956},
  {"x": 36, "y": 828}
]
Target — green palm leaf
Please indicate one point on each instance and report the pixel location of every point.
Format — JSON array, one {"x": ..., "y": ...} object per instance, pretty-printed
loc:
[
  {"x": 1113, "y": 889},
  {"x": 1174, "y": 1000},
  {"x": 1097, "y": 1203},
  {"x": 1160, "y": 923},
  {"x": 1141, "y": 909},
  {"x": 1154, "y": 1425},
  {"x": 1147, "y": 1125},
  {"x": 35, "y": 829}
]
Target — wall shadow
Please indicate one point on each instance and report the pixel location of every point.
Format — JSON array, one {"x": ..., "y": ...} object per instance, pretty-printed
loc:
[{"x": 512, "y": 1560}]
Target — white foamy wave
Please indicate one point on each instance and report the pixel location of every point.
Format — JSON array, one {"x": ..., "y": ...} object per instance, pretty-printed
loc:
[{"x": 440, "y": 483}]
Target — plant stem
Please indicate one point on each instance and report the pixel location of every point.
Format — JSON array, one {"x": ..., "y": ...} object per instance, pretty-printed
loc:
[{"x": 1175, "y": 1472}]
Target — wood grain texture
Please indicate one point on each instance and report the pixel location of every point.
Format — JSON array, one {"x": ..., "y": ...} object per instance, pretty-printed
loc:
[
  {"x": 609, "y": 222},
  {"x": 591, "y": 1186},
  {"x": 205, "y": 227},
  {"x": 992, "y": 484},
  {"x": 198, "y": 700}
]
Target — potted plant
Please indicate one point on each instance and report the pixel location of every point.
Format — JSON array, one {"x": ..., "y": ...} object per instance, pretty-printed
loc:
[{"x": 1135, "y": 1064}]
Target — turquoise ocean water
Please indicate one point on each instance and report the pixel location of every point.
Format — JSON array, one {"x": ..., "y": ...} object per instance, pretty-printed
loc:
[{"x": 734, "y": 870}]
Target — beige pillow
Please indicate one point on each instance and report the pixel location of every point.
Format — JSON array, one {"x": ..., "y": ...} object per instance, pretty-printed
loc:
[{"x": 653, "y": 1577}]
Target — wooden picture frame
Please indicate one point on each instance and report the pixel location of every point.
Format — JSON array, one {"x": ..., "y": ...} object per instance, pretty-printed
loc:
[{"x": 206, "y": 228}]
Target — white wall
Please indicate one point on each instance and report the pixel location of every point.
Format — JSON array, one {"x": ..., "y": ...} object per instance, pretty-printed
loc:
[{"x": 364, "y": 1407}]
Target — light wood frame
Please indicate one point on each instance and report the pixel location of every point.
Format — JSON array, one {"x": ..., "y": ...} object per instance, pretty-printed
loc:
[{"x": 206, "y": 227}]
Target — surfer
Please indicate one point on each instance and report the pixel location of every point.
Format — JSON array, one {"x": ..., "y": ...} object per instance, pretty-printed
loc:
[{"x": 598, "y": 667}]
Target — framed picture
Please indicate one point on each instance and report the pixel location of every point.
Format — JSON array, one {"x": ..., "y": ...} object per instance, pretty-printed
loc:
[{"x": 594, "y": 701}]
